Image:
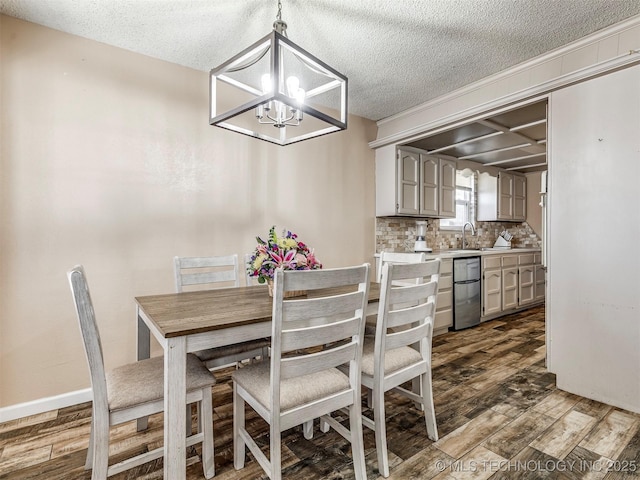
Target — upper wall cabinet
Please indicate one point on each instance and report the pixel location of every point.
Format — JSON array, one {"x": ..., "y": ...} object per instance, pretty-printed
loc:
[
  {"x": 502, "y": 198},
  {"x": 412, "y": 183}
]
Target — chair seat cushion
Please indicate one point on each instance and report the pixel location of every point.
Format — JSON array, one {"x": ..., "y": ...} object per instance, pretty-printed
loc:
[
  {"x": 231, "y": 350},
  {"x": 255, "y": 379},
  {"x": 393, "y": 359},
  {"x": 142, "y": 382}
]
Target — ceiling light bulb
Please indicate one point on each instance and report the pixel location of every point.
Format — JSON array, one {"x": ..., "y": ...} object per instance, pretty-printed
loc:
[{"x": 293, "y": 85}]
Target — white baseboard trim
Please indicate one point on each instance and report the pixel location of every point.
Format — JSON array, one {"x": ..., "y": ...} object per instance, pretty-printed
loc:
[{"x": 42, "y": 405}]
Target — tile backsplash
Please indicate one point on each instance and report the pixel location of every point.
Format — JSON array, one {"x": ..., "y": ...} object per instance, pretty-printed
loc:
[{"x": 398, "y": 234}]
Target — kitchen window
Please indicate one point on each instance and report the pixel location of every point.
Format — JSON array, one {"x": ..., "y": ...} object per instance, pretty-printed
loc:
[{"x": 465, "y": 208}]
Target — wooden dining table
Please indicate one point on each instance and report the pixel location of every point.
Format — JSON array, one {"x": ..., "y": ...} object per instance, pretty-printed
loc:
[{"x": 191, "y": 321}]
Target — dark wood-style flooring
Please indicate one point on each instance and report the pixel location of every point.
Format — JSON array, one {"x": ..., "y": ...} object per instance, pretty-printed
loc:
[{"x": 499, "y": 416}]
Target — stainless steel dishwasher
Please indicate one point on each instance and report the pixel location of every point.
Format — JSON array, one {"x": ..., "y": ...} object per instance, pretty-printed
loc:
[{"x": 466, "y": 292}]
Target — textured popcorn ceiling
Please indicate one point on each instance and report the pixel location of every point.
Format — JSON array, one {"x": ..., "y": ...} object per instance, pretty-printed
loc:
[{"x": 396, "y": 54}]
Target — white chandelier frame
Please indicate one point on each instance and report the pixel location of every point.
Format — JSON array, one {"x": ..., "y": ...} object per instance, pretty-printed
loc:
[{"x": 277, "y": 44}]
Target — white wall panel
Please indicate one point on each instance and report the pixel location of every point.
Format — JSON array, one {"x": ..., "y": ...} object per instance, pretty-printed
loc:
[{"x": 593, "y": 302}]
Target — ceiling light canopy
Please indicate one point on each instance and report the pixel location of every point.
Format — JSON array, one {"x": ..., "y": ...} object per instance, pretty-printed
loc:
[{"x": 278, "y": 92}]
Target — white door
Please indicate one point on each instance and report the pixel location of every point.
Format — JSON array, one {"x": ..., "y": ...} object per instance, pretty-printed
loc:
[{"x": 593, "y": 294}]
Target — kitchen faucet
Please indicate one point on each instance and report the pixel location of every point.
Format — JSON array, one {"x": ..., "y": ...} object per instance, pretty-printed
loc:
[{"x": 473, "y": 232}]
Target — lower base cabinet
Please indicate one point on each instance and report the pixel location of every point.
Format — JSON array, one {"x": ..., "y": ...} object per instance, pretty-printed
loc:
[
  {"x": 509, "y": 288},
  {"x": 491, "y": 285},
  {"x": 511, "y": 282},
  {"x": 444, "y": 302}
]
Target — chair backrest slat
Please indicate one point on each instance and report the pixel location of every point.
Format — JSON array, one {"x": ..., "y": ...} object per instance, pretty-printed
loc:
[
  {"x": 407, "y": 337},
  {"x": 410, "y": 314},
  {"x": 321, "y": 307},
  {"x": 316, "y": 362},
  {"x": 306, "y": 337},
  {"x": 208, "y": 271},
  {"x": 413, "y": 292},
  {"x": 90, "y": 335},
  {"x": 327, "y": 278}
]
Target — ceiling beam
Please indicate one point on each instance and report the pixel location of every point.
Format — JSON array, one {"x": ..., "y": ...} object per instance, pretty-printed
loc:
[
  {"x": 497, "y": 150},
  {"x": 544, "y": 164},
  {"x": 465, "y": 142},
  {"x": 510, "y": 131},
  {"x": 514, "y": 159}
]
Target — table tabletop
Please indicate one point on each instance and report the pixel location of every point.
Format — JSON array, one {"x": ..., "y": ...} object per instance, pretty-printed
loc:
[{"x": 188, "y": 313}]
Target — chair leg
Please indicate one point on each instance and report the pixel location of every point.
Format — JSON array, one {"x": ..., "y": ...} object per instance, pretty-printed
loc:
[
  {"x": 416, "y": 387},
  {"x": 89, "y": 461},
  {"x": 205, "y": 423},
  {"x": 381, "y": 430},
  {"x": 275, "y": 451},
  {"x": 307, "y": 429},
  {"x": 100, "y": 450},
  {"x": 429, "y": 411},
  {"x": 324, "y": 426},
  {"x": 357, "y": 440},
  {"x": 238, "y": 424},
  {"x": 369, "y": 398}
]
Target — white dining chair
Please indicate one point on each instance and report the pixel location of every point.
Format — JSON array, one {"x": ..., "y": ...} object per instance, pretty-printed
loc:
[
  {"x": 397, "y": 257},
  {"x": 311, "y": 337},
  {"x": 133, "y": 391},
  {"x": 385, "y": 257},
  {"x": 401, "y": 349},
  {"x": 217, "y": 272}
]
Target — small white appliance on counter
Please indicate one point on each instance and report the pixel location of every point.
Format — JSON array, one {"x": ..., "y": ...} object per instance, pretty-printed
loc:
[{"x": 421, "y": 235}]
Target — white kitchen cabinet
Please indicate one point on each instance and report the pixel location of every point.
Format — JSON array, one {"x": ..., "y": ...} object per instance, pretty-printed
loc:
[
  {"x": 526, "y": 279},
  {"x": 444, "y": 301},
  {"x": 408, "y": 189},
  {"x": 511, "y": 281},
  {"x": 491, "y": 285},
  {"x": 509, "y": 288},
  {"x": 429, "y": 185},
  {"x": 447, "y": 192},
  {"x": 502, "y": 197},
  {"x": 519, "y": 198},
  {"x": 411, "y": 183},
  {"x": 526, "y": 285}
]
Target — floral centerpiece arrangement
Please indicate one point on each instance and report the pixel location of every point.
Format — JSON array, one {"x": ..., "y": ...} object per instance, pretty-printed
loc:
[{"x": 284, "y": 251}]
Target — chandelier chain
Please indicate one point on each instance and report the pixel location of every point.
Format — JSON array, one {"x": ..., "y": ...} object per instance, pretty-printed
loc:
[{"x": 280, "y": 25}]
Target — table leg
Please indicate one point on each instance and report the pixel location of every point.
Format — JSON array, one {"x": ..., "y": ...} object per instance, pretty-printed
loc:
[
  {"x": 175, "y": 398},
  {"x": 143, "y": 351}
]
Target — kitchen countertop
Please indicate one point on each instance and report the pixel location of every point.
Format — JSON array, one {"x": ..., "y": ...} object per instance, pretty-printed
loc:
[
  {"x": 478, "y": 253},
  {"x": 459, "y": 253}
]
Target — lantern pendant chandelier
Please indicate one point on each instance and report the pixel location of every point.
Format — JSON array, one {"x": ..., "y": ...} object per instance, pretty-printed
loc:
[{"x": 275, "y": 83}]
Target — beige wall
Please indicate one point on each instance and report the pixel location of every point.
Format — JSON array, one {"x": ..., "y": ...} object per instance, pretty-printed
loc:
[{"x": 108, "y": 160}]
